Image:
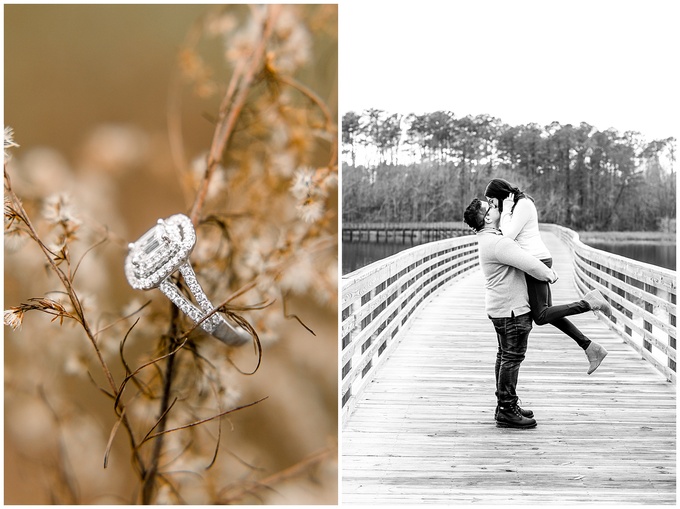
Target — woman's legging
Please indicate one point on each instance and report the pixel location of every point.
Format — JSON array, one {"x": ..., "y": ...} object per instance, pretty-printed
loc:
[{"x": 542, "y": 310}]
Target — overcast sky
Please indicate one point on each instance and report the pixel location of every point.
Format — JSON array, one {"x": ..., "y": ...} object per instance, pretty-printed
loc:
[{"x": 609, "y": 63}]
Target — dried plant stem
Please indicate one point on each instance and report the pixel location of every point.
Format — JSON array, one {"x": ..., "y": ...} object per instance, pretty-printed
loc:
[
  {"x": 231, "y": 107},
  {"x": 207, "y": 419},
  {"x": 64, "y": 278},
  {"x": 312, "y": 96},
  {"x": 233, "y": 495},
  {"x": 77, "y": 306},
  {"x": 149, "y": 481}
]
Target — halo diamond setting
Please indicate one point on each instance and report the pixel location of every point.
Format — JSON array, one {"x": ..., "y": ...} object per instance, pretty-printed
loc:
[{"x": 164, "y": 250}]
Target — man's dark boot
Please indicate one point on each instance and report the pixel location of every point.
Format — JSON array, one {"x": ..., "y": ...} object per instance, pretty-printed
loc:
[
  {"x": 509, "y": 416},
  {"x": 524, "y": 411}
]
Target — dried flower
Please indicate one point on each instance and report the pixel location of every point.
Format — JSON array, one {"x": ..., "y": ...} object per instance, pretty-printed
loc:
[
  {"x": 310, "y": 210},
  {"x": 309, "y": 193},
  {"x": 240, "y": 43},
  {"x": 14, "y": 317},
  {"x": 15, "y": 238},
  {"x": 299, "y": 276},
  {"x": 303, "y": 183},
  {"x": 59, "y": 209},
  {"x": 294, "y": 43},
  {"x": 195, "y": 70},
  {"x": 9, "y": 142},
  {"x": 11, "y": 215}
]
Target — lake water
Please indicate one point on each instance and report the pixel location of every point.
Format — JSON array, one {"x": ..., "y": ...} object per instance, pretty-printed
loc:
[
  {"x": 359, "y": 254},
  {"x": 661, "y": 254}
]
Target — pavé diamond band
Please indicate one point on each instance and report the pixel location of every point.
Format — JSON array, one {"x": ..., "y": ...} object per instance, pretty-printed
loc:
[{"x": 161, "y": 252}]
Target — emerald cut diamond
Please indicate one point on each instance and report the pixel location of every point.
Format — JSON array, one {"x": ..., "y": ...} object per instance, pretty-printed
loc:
[
  {"x": 159, "y": 252},
  {"x": 154, "y": 248}
]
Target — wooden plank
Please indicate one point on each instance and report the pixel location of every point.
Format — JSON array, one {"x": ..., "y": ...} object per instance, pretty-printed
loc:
[{"x": 423, "y": 432}]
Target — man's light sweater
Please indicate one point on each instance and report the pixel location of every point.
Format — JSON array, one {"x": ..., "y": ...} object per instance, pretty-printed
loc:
[
  {"x": 522, "y": 225},
  {"x": 504, "y": 264}
]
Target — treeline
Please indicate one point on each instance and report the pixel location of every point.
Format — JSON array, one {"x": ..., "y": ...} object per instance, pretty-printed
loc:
[{"x": 429, "y": 167}]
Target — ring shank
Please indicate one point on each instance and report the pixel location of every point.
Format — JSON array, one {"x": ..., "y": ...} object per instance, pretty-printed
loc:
[{"x": 215, "y": 324}]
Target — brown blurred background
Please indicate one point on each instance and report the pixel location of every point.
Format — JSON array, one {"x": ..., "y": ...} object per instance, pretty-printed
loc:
[{"x": 72, "y": 68}]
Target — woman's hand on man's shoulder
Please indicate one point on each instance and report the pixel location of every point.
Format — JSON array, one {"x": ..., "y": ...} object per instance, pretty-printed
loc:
[{"x": 508, "y": 203}]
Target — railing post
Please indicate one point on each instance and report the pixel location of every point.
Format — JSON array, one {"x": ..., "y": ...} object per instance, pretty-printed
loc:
[
  {"x": 379, "y": 301},
  {"x": 642, "y": 296}
]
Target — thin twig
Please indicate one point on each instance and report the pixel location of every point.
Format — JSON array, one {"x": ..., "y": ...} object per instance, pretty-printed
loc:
[
  {"x": 208, "y": 419},
  {"x": 160, "y": 420},
  {"x": 121, "y": 350},
  {"x": 230, "y": 109},
  {"x": 288, "y": 80},
  {"x": 75, "y": 302},
  {"x": 122, "y": 319},
  {"x": 112, "y": 435},
  {"x": 68, "y": 286},
  {"x": 293, "y": 315},
  {"x": 143, "y": 366},
  {"x": 91, "y": 248},
  {"x": 234, "y": 494}
]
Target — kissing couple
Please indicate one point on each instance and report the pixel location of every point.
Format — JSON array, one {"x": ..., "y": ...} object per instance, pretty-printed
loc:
[{"x": 518, "y": 270}]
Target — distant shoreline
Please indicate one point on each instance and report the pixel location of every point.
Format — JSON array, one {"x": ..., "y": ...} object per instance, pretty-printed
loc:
[{"x": 628, "y": 237}]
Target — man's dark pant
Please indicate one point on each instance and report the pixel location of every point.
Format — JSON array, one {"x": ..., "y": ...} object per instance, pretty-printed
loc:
[{"x": 513, "y": 335}]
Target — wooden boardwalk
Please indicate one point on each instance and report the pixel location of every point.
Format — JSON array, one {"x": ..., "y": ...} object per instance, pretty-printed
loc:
[{"x": 424, "y": 432}]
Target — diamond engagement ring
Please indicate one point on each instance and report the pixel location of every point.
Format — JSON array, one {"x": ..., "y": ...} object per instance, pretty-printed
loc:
[{"x": 161, "y": 252}]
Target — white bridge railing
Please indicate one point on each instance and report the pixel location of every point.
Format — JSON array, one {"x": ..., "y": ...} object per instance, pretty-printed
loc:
[
  {"x": 643, "y": 299},
  {"x": 378, "y": 302}
]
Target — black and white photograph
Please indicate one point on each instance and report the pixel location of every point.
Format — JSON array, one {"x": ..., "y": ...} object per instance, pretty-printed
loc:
[{"x": 508, "y": 291}]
